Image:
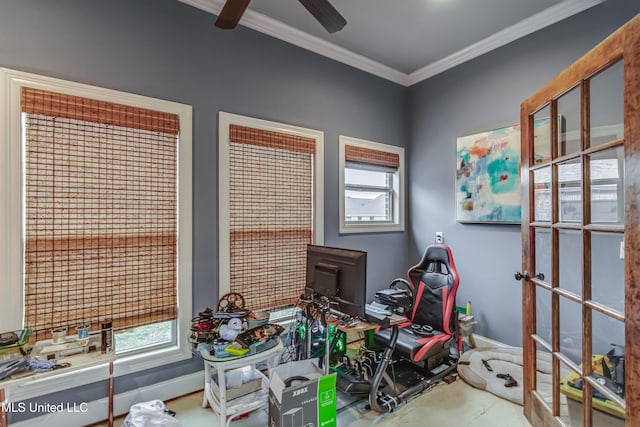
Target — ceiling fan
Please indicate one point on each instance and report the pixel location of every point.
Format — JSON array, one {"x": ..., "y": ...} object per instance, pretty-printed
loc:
[{"x": 322, "y": 10}]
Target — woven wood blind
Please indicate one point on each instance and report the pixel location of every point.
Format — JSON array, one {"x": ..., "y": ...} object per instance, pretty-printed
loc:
[
  {"x": 100, "y": 213},
  {"x": 271, "y": 214},
  {"x": 368, "y": 156}
]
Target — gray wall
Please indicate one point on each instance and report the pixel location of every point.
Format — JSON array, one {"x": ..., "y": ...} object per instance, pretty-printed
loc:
[
  {"x": 169, "y": 50},
  {"x": 480, "y": 95}
]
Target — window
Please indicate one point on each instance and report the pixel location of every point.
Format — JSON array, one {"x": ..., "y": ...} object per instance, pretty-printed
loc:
[
  {"x": 271, "y": 204},
  {"x": 371, "y": 186},
  {"x": 368, "y": 195},
  {"x": 97, "y": 190}
]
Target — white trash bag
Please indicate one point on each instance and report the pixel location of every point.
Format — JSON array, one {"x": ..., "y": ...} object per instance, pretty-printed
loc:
[{"x": 152, "y": 413}]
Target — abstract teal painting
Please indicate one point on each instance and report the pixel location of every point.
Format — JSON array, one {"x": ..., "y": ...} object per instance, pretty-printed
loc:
[{"x": 488, "y": 176}]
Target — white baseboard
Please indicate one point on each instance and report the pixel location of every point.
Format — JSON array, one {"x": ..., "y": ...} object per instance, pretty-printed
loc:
[
  {"x": 84, "y": 413},
  {"x": 488, "y": 342}
]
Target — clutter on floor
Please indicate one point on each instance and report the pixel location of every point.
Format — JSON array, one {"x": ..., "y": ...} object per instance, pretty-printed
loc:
[
  {"x": 608, "y": 370},
  {"x": 300, "y": 395},
  {"x": 498, "y": 370},
  {"x": 152, "y": 413}
]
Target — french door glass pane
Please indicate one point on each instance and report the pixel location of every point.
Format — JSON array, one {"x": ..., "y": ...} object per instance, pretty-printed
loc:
[
  {"x": 608, "y": 363},
  {"x": 571, "y": 329},
  {"x": 543, "y": 254},
  {"x": 544, "y": 379},
  {"x": 570, "y": 253},
  {"x": 606, "y": 172},
  {"x": 606, "y": 105},
  {"x": 542, "y": 194},
  {"x": 570, "y": 396},
  {"x": 569, "y": 122},
  {"x": 607, "y": 270},
  {"x": 600, "y": 418},
  {"x": 570, "y": 191},
  {"x": 543, "y": 315},
  {"x": 541, "y": 136},
  {"x": 607, "y": 336}
]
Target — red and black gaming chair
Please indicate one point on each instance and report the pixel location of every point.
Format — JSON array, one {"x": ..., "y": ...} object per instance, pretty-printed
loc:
[{"x": 432, "y": 322}]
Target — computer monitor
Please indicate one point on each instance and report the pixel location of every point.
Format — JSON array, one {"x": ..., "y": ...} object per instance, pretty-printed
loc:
[{"x": 340, "y": 274}]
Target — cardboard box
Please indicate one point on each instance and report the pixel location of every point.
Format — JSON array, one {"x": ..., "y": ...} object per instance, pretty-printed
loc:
[{"x": 310, "y": 403}]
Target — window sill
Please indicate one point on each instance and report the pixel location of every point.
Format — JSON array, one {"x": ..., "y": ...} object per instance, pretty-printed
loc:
[
  {"x": 99, "y": 372},
  {"x": 151, "y": 359},
  {"x": 370, "y": 228}
]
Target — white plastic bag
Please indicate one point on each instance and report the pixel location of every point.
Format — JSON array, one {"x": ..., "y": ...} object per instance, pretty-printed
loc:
[{"x": 150, "y": 413}]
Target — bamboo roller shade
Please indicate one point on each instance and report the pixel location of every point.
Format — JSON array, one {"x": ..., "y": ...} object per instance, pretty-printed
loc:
[
  {"x": 370, "y": 156},
  {"x": 101, "y": 218},
  {"x": 36, "y": 101},
  {"x": 271, "y": 139},
  {"x": 271, "y": 214}
]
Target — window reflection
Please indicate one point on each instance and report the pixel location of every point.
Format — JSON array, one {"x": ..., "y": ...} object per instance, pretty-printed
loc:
[
  {"x": 569, "y": 122},
  {"x": 542, "y": 194},
  {"x": 606, "y": 170},
  {"x": 606, "y": 105},
  {"x": 607, "y": 270},
  {"x": 541, "y": 136},
  {"x": 570, "y": 197}
]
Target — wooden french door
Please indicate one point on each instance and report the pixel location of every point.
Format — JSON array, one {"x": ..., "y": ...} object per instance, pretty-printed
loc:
[{"x": 581, "y": 239}]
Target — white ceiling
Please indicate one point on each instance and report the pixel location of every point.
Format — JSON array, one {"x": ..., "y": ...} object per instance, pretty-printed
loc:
[{"x": 405, "y": 41}]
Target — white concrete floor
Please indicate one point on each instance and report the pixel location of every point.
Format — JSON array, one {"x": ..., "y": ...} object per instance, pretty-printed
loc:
[
  {"x": 456, "y": 404},
  {"x": 452, "y": 405}
]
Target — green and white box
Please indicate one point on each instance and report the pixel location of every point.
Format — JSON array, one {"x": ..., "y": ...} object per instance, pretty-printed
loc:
[{"x": 305, "y": 403}]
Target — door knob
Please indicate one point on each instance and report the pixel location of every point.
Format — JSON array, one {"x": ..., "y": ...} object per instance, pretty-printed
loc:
[{"x": 520, "y": 276}]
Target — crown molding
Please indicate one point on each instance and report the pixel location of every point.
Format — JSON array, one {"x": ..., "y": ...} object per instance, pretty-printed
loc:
[
  {"x": 279, "y": 30},
  {"x": 523, "y": 28},
  {"x": 211, "y": 6}
]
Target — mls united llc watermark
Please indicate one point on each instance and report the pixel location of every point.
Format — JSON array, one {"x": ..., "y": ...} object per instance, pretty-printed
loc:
[{"x": 32, "y": 407}]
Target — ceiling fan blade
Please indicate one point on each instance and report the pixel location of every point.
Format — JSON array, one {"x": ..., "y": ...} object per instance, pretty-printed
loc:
[
  {"x": 231, "y": 13},
  {"x": 326, "y": 14}
]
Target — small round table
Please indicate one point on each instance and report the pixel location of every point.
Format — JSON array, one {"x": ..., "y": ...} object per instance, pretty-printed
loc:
[{"x": 215, "y": 390}]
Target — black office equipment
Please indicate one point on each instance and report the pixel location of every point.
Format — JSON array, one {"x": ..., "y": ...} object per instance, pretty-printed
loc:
[{"x": 339, "y": 274}]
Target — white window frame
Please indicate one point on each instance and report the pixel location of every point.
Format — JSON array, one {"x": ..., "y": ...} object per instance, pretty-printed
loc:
[
  {"x": 397, "y": 199},
  {"x": 12, "y": 226},
  {"x": 224, "y": 121}
]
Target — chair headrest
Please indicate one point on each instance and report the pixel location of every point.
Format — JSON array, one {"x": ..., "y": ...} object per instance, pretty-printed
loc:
[
  {"x": 437, "y": 260},
  {"x": 437, "y": 254}
]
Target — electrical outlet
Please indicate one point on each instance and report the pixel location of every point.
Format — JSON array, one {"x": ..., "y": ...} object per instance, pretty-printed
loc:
[{"x": 439, "y": 237}]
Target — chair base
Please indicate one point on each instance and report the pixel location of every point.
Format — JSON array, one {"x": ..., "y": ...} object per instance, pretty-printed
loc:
[
  {"x": 410, "y": 380},
  {"x": 405, "y": 375},
  {"x": 438, "y": 359},
  {"x": 352, "y": 382},
  {"x": 399, "y": 378}
]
